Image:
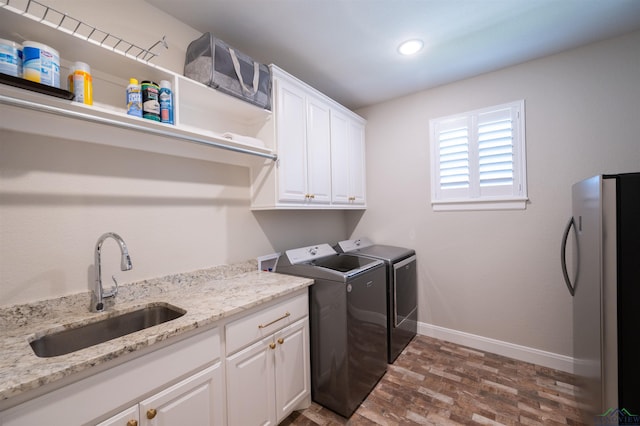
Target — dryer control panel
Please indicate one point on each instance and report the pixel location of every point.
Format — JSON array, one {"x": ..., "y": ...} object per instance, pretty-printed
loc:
[{"x": 352, "y": 245}]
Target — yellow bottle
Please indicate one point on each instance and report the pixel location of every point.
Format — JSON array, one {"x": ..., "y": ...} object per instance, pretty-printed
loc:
[{"x": 81, "y": 83}]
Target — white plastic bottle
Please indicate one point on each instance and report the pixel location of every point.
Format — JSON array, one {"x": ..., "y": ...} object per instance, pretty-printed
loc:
[
  {"x": 134, "y": 98},
  {"x": 81, "y": 83},
  {"x": 166, "y": 102}
]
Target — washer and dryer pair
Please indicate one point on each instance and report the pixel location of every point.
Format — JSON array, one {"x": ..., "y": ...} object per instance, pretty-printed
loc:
[{"x": 359, "y": 319}]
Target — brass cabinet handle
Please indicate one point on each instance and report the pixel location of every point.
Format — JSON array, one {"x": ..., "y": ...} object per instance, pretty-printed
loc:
[
  {"x": 286, "y": 314},
  {"x": 312, "y": 196},
  {"x": 151, "y": 413},
  {"x": 352, "y": 198},
  {"x": 132, "y": 423},
  {"x": 272, "y": 345},
  {"x": 281, "y": 340}
]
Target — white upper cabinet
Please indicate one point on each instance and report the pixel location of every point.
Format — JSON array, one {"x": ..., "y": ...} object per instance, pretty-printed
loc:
[
  {"x": 308, "y": 173},
  {"x": 347, "y": 159},
  {"x": 318, "y": 152},
  {"x": 302, "y": 137},
  {"x": 291, "y": 137}
]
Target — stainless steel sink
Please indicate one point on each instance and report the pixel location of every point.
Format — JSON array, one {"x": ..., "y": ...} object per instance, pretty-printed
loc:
[{"x": 73, "y": 339}]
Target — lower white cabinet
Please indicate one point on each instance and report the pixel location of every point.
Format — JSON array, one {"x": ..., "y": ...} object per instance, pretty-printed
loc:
[
  {"x": 178, "y": 376},
  {"x": 189, "y": 402},
  {"x": 292, "y": 374},
  {"x": 269, "y": 379},
  {"x": 267, "y": 363},
  {"x": 249, "y": 383},
  {"x": 128, "y": 417},
  {"x": 258, "y": 373}
]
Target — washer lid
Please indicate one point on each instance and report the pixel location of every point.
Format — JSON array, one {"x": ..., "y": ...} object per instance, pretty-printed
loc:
[
  {"x": 365, "y": 247},
  {"x": 346, "y": 263},
  {"x": 387, "y": 253}
]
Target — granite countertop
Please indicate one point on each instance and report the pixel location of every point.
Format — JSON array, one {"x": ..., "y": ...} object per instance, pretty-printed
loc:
[{"x": 207, "y": 295}]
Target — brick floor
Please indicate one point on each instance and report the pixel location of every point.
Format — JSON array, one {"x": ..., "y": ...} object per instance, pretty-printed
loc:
[{"x": 434, "y": 382}]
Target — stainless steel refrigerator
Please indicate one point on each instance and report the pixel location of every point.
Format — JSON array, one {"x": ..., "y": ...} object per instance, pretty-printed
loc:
[{"x": 601, "y": 266}]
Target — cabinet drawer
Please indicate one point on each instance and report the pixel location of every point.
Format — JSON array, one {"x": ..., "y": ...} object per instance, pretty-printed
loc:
[{"x": 257, "y": 325}]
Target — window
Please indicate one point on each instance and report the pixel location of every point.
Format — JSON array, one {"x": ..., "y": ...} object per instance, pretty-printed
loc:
[{"x": 478, "y": 159}]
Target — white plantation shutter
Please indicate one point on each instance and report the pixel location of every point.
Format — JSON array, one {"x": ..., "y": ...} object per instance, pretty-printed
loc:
[
  {"x": 454, "y": 154},
  {"x": 478, "y": 159},
  {"x": 495, "y": 148}
]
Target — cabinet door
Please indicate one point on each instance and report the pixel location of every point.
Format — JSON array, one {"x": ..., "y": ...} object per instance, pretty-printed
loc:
[
  {"x": 250, "y": 390},
  {"x": 318, "y": 152},
  {"x": 190, "y": 402},
  {"x": 292, "y": 375},
  {"x": 128, "y": 417},
  {"x": 291, "y": 142},
  {"x": 339, "y": 158},
  {"x": 356, "y": 158},
  {"x": 347, "y": 160}
]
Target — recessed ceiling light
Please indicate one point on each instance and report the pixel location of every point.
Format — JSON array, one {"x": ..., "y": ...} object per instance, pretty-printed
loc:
[{"x": 410, "y": 47}]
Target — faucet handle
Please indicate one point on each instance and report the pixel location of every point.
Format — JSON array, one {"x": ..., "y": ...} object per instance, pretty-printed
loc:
[{"x": 114, "y": 290}]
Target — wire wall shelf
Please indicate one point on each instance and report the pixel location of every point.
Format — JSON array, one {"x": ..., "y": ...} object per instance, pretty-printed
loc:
[{"x": 49, "y": 16}]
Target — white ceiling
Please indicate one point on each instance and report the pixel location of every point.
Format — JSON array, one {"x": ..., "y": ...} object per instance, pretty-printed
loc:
[{"x": 348, "y": 48}]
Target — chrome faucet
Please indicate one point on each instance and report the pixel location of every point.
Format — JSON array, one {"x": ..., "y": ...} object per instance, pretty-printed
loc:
[{"x": 97, "y": 301}]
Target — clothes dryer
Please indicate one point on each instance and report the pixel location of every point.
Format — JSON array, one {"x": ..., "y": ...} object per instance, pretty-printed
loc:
[{"x": 402, "y": 289}]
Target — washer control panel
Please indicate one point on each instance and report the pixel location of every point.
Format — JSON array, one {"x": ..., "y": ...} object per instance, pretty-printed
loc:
[{"x": 305, "y": 254}]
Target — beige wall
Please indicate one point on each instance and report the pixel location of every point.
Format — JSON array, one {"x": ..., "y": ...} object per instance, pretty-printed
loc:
[
  {"x": 497, "y": 274},
  {"x": 175, "y": 214}
]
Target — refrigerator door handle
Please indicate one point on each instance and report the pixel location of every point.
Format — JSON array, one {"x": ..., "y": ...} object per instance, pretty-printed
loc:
[{"x": 563, "y": 258}]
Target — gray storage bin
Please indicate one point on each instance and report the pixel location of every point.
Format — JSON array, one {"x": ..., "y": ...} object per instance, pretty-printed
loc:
[{"x": 213, "y": 62}]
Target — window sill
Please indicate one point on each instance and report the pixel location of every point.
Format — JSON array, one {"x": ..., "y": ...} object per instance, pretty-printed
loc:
[{"x": 486, "y": 204}]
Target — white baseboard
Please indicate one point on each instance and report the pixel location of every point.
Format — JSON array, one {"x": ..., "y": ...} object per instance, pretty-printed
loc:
[{"x": 521, "y": 353}]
